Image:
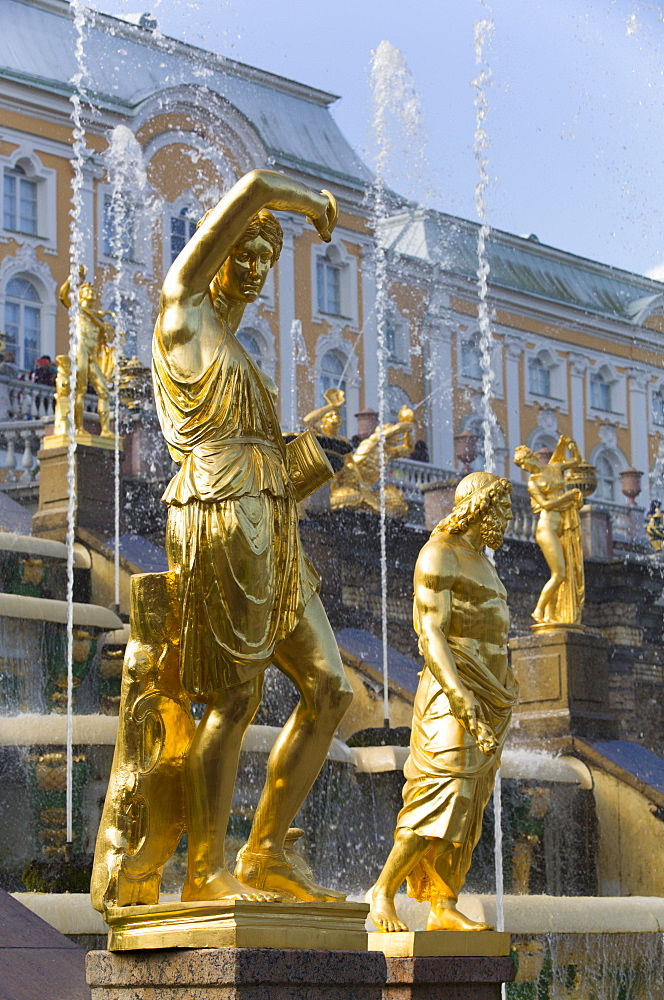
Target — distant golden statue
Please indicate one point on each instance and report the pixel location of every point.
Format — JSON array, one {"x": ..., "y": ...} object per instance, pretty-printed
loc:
[
  {"x": 558, "y": 532},
  {"x": 354, "y": 484},
  {"x": 94, "y": 360},
  {"x": 462, "y": 708},
  {"x": 327, "y": 419},
  {"x": 246, "y": 594}
]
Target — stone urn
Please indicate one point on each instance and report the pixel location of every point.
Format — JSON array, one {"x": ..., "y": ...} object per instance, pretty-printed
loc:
[
  {"x": 630, "y": 483},
  {"x": 465, "y": 449}
]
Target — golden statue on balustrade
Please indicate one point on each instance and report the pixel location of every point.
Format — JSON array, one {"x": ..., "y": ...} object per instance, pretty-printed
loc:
[
  {"x": 240, "y": 594},
  {"x": 462, "y": 708},
  {"x": 558, "y": 533},
  {"x": 355, "y": 483},
  {"x": 327, "y": 419},
  {"x": 95, "y": 361}
]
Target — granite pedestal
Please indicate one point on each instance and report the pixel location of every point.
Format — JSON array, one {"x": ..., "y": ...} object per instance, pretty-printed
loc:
[
  {"x": 273, "y": 974},
  {"x": 94, "y": 472},
  {"x": 563, "y": 688}
]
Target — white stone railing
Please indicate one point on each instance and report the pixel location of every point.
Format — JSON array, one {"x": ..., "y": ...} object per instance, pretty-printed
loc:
[
  {"x": 410, "y": 476},
  {"x": 523, "y": 524},
  {"x": 21, "y": 399},
  {"x": 627, "y": 524},
  {"x": 20, "y": 440}
]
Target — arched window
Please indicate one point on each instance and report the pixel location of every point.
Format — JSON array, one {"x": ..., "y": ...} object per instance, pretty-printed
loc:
[
  {"x": 606, "y": 478},
  {"x": 396, "y": 397},
  {"x": 183, "y": 227},
  {"x": 251, "y": 343},
  {"x": 332, "y": 367},
  {"x": 601, "y": 390},
  {"x": 471, "y": 365},
  {"x": 20, "y": 206},
  {"x": 539, "y": 377},
  {"x": 23, "y": 322}
]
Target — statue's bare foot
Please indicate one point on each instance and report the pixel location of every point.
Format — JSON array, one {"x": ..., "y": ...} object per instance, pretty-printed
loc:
[
  {"x": 538, "y": 616},
  {"x": 223, "y": 885},
  {"x": 383, "y": 912},
  {"x": 444, "y": 916},
  {"x": 275, "y": 872}
]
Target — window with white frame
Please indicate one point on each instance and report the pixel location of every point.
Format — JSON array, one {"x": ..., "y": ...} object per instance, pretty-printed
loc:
[
  {"x": 539, "y": 377},
  {"x": 658, "y": 407},
  {"x": 23, "y": 322},
  {"x": 607, "y": 476},
  {"x": 395, "y": 397},
  {"x": 332, "y": 376},
  {"x": 251, "y": 341},
  {"x": 118, "y": 228},
  {"x": 20, "y": 201},
  {"x": 183, "y": 227},
  {"x": 329, "y": 272},
  {"x": 601, "y": 390},
  {"x": 471, "y": 357}
]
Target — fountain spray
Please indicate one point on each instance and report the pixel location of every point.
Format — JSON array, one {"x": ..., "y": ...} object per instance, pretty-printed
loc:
[
  {"x": 483, "y": 30},
  {"x": 75, "y": 262},
  {"x": 393, "y": 95}
]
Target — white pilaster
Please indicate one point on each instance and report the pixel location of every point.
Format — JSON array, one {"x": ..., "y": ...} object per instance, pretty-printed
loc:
[
  {"x": 438, "y": 336},
  {"x": 578, "y": 367},
  {"x": 638, "y": 428},
  {"x": 514, "y": 347},
  {"x": 369, "y": 331}
]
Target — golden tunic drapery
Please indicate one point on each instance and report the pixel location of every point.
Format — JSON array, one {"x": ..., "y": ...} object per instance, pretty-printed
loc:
[
  {"x": 448, "y": 786},
  {"x": 232, "y": 534}
]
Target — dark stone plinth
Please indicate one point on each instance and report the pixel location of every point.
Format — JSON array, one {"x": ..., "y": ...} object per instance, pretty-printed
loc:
[
  {"x": 270, "y": 974},
  {"x": 95, "y": 489},
  {"x": 36, "y": 961},
  {"x": 446, "y": 978},
  {"x": 563, "y": 688}
]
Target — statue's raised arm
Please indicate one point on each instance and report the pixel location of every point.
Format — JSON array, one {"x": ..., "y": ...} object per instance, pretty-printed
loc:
[{"x": 222, "y": 228}]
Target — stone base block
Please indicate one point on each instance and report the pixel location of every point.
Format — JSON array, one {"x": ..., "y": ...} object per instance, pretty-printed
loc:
[
  {"x": 441, "y": 944},
  {"x": 274, "y": 974},
  {"x": 563, "y": 687},
  {"x": 238, "y": 924},
  {"x": 94, "y": 472}
]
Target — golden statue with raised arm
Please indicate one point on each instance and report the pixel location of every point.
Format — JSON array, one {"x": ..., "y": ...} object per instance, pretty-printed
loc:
[
  {"x": 354, "y": 484},
  {"x": 558, "y": 532},
  {"x": 248, "y": 595},
  {"x": 462, "y": 708},
  {"x": 94, "y": 359},
  {"x": 327, "y": 419}
]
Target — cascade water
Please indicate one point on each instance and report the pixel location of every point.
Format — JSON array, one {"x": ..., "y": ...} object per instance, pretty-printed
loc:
[
  {"x": 134, "y": 212},
  {"x": 395, "y": 101}
]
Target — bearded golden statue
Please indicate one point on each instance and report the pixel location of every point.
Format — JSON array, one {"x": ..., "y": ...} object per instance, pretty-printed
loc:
[
  {"x": 461, "y": 712},
  {"x": 558, "y": 532}
]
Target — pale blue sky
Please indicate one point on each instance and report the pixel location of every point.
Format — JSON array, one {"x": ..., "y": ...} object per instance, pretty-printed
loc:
[{"x": 576, "y": 110}]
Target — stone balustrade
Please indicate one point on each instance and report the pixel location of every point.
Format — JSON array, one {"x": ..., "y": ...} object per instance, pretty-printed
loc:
[
  {"x": 26, "y": 410},
  {"x": 20, "y": 441},
  {"x": 409, "y": 476}
]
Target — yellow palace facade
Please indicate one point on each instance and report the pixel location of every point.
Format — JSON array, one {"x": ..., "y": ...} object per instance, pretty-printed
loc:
[{"x": 168, "y": 128}]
